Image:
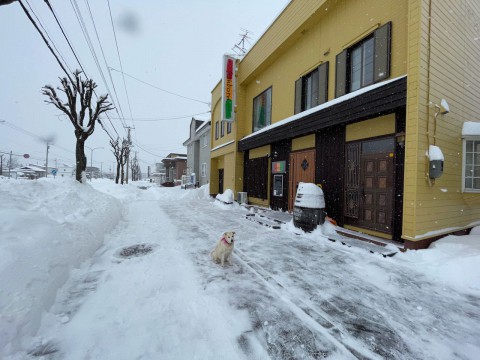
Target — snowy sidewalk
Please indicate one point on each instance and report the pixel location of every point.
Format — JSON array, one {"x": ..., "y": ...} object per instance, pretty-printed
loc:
[
  {"x": 140, "y": 307},
  {"x": 151, "y": 291}
]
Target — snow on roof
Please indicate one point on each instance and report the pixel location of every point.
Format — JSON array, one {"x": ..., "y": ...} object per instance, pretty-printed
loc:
[
  {"x": 202, "y": 118},
  {"x": 175, "y": 158},
  {"x": 202, "y": 126},
  {"x": 324, "y": 106},
  {"x": 32, "y": 167},
  {"x": 471, "y": 128},
  {"x": 220, "y": 146}
]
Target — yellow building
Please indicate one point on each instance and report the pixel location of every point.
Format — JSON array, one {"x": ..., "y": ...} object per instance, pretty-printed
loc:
[{"x": 365, "y": 97}]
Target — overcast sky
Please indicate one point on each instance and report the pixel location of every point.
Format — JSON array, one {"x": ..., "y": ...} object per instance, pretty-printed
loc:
[{"x": 174, "y": 45}]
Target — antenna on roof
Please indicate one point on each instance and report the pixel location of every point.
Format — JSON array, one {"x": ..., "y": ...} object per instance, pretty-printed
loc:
[{"x": 239, "y": 48}]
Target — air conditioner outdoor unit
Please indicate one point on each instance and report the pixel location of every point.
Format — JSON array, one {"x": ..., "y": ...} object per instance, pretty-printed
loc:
[{"x": 242, "y": 197}]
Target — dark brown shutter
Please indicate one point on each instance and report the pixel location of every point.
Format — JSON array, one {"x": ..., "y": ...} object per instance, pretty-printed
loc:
[
  {"x": 341, "y": 74},
  {"x": 382, "y": 52},
  {"x": 323, "y": 83},
  {"x": 298, "y": 96}
]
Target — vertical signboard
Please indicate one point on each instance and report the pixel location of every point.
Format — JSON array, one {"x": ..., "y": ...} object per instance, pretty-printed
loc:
[{"x": 228, "y": 89}]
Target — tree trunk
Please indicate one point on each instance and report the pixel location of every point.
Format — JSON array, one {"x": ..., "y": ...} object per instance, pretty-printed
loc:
[
  {"x": 81, "y": 164},
  {"x": 118, "y": 173},
  {"x": 122, "y": 176}
]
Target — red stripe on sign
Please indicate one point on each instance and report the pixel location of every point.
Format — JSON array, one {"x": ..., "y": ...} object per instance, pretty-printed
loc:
[{"x": 229, "y": 68}]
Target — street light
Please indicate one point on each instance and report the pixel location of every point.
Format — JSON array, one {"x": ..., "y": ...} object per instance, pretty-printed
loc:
[{"x": 91, "y": 159}]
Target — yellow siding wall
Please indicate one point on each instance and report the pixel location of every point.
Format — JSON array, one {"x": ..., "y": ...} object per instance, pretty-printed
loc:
[
  {"x": 383, "y": 125},
  {"x": 443, "y": 65},
  {"x": 304, "y": 142},
  {"x": 259, "y": 152},
  {"x": 342, "y": 21}
]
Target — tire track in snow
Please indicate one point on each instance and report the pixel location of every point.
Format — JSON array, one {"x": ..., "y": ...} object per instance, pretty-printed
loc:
[{"x": 315, "y": 318}]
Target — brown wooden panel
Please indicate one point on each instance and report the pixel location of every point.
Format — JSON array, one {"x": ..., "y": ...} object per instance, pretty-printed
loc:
[{"x": 301, "y": 169}]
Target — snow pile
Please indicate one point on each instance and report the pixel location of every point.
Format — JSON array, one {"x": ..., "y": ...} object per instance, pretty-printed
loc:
[
  {"x": 309, "y": 196},
  {"x": 201, "y": 193},
  {"x": 48, "y": 227},
  {"x": 226, "y": 197},
  {"x": 452, "y": 260},
  {"x": 320, "y": 233}
]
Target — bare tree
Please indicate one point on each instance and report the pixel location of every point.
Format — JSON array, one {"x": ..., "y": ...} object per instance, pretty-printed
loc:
[
  {"x": 135, "y": 167},
  {"x": 79, "y": 92},
  {"x": 117, "y": 152}
]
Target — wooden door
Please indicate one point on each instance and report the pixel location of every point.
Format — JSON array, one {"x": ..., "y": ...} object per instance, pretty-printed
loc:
[{"x": 301, "y": 169}]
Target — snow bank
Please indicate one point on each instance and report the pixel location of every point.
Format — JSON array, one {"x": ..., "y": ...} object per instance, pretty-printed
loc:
[
  {"x": 226, "y": 197},
  {"x": 48, "y": 227},
  {"x": 452, "y": 260},
  {"x": 201, "y": 193}
]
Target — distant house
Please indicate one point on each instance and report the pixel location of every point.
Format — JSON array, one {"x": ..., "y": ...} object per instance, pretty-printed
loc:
[
  {"x": 175, "y": 166},
  {"x": 28, "y": 172},
  {"x": 198, "y": 151},
  {"x": 92, "y": 172},
  {"x": 159, "y": 175},
  {"x": 65, "y": 170}
]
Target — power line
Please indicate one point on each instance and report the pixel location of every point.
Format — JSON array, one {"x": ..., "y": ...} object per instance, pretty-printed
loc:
[
  {"x": 83, "y": 26},
  {"x": 119, "y": 58},
  {"x": 166, "y": 119},
  {"x": 103, "y": 55},
  {"x": 44, "y": 39},
  {"x": 156, "y": 87},
  {"x": 64, "y": 34},
  {"x": 46, "y": 32}
]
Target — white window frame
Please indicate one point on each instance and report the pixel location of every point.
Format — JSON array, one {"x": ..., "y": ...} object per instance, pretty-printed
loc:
[
  {"x": 204, "y": 170},
  {"x": 476, "y": 155}
]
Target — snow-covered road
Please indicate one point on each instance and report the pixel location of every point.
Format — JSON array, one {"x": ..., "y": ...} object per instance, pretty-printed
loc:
[{"x": 151, "y": 291}]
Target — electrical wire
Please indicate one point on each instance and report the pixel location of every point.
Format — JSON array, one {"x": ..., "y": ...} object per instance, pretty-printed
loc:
[
  {"x": 64, "y": 34},
  {"x": 156, "y": 87},
  {"x": 45, "y": 40},
  {"x": 46, "y": 33},
  {"x": 166, "y": 119},
  {"x": 119, "y": 59},
  {"x": 103, "y": 55},
  {"x": 83, "y": 26}
]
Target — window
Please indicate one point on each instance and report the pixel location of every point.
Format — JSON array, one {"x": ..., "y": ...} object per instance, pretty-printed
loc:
[
  {"x": 361, "y": 65},
  {"x": 364, "y": 63},
  {"x": 222, "y": 129},
  {"x": 229, "y": 127},
  {"x": 471, "y": 164},
  {"x": 311, "y": 89},
  {"x": 262, "y": 110},
  {"x": 204, "y": 170},
  {"x": 216, "y": 130}
]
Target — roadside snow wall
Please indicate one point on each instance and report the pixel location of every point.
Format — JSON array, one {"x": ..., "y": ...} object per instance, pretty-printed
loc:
[{"x": 47, "y": 228}]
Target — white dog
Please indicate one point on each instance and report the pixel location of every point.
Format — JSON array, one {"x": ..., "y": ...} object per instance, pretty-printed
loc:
[{"x": 223, "y": 250}]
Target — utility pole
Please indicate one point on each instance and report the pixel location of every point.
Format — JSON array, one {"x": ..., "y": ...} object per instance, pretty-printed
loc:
[
  {"x": 91, "y": 160},
  {"x": 46, "y": 161},
  {"x": 1, "y": 164}
]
